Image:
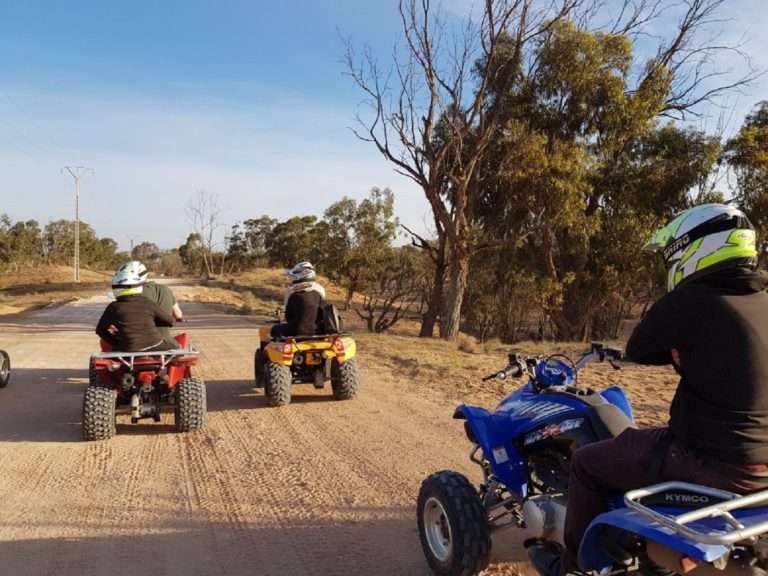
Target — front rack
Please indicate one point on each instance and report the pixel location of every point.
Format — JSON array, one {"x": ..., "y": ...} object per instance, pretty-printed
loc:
[{"x": 731, "y": 530}]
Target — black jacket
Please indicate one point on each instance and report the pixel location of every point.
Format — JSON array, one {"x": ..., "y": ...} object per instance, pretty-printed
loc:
[
  {"x": 301, "y": 313},
  {"x": 136, "y": 319},
  {"x": 719, "y": 325}
]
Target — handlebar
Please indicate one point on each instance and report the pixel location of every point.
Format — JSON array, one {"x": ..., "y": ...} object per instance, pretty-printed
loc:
[
  {"x": 519, "y": 365},
  {"x": 601, "y": 353}
]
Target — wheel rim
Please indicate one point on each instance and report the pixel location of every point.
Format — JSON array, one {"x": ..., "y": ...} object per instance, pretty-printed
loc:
[
  {"x": 3, "y": 367},
  {"x": 437, "y": 529}
]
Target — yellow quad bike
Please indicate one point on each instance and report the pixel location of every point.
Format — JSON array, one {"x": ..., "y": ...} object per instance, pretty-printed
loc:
[{"x": 312, "y": 359}]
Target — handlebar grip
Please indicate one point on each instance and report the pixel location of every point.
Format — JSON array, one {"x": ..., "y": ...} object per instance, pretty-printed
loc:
[{"x": 509, "y": 371}]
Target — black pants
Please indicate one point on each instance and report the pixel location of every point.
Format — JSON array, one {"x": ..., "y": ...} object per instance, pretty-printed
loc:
[{"x": 625, "y": 463}]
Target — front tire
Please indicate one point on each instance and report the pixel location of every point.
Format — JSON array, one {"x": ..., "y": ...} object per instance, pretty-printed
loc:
[
  {"x": 277, "y": 384},
  {"x": 345, "y": 379},
  {"x": 452, "y": 526},
  {"x": 191, "y": 406},
  {"x": 5, "y": 368},
  {"x": 99, "y": 404}
]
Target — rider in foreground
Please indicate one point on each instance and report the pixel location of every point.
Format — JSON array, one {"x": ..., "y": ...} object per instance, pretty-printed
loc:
[
  {"x": 130, "y": 322},
  {"x": 712, "y": 327}
]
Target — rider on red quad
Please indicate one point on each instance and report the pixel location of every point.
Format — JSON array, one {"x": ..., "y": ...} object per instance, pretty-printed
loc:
[
  {"x": 159, "y": 294},
  {"x": 712, "y": 327},
  {"x": 130, "y": 323},
  {"x": 303, "y": 300}
]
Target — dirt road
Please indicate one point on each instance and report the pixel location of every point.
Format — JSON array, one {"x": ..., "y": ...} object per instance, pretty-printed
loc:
[{"x": 316, "y": 487}]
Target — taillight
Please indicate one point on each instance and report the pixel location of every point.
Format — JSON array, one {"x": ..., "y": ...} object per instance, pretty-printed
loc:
[
  {"x": 338, "y": 344},
  {"x": 288, "y": 350}
]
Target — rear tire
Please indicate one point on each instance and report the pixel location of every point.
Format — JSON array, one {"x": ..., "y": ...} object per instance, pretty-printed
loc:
[
  {"x": 277, "y": 384},
  {"x": 93, "y": 376},
  {"x": 99, "y": 413},
  {"x": 345, "y": 379},
  {"x": 452, "y": 526},
  {"x": 5, "y": 368},
  {"x": 258, "y": 368},
  {"x": 191, "y": 406}
]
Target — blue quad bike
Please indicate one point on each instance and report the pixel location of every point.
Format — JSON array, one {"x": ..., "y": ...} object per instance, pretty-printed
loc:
[{"x": 523, "y": 449}]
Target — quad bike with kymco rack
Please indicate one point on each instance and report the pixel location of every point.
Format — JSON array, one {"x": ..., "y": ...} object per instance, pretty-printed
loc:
[
  {"x": 142, "y": 384},
  {"x": 5, "y": 368},
  {"x": 307, "y": 359},
  {"x": 523, "y": 449}
]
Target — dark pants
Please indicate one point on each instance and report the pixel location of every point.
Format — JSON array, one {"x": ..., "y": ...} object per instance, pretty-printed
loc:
[{"x": 625, "y": 463}]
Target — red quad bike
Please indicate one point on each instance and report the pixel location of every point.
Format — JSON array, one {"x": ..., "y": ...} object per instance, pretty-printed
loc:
[
  {"x": 5, "y": 368},
  {"x": 141, "y": 383}
]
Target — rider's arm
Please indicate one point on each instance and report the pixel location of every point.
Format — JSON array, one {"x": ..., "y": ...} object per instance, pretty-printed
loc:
[
  {"x": 162, "y": 318},
  {"x": 655, "y": 336},
  {"x": 107, "y": 320},
  {"x": 177, "y": 311}
]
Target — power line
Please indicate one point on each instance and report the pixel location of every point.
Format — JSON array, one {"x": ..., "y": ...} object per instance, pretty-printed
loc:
[{"x": 31, "y": 119}]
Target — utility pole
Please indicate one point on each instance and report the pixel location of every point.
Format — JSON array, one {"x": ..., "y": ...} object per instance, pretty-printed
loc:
[
  {"x": 77, "y": 172},
  {"x": 132, "y": 237}
]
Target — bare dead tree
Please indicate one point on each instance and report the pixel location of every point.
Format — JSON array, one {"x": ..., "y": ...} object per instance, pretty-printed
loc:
[
  {"x": 204, "y": 214},
  {"x": 430, "y": 116}
]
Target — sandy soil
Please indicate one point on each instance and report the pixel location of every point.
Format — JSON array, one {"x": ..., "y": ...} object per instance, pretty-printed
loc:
[{"x": 316, "y": 487}]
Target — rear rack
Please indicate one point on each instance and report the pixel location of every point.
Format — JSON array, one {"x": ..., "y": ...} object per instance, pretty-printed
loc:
[
  {"x": 731, "y": 530},
  {"x": 128, "y": 359},
  {"x": 302, "y": 337}
]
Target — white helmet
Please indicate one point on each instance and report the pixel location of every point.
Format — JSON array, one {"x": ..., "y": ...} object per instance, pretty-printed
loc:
[
  {"x": 302, "y": 272},
  {"x": 704, "y": 239},
  {"x": 129, "y": 279}
]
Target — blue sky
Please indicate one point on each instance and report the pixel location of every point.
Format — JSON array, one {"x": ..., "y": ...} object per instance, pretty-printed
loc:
[{"x": 244, "y": 99}]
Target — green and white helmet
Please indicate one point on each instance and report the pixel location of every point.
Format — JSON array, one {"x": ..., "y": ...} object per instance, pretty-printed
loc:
[
  {"x": 129, "y": 279},
  {"x": 702, "y": 240}
]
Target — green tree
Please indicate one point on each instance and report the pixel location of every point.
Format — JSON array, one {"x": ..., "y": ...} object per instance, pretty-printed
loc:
[
  {"x": 353, "y": 237},
  {"x": 747, "y": 155},
  {"x": 292, "y": 241},
  {"x": 147, "y": 253},
  {"x": 526, "y": 71},
  {"x": 21, "y": 244},
  {"x": 191, "y": 255},
  {"x": 394, "y": 289}
]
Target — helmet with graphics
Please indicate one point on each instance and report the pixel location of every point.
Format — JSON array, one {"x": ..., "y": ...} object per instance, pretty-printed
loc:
[
  {"x": 302, "y": 272},
  {"x": 702, "y": 240},
  {"x": 129, "y": 279}
]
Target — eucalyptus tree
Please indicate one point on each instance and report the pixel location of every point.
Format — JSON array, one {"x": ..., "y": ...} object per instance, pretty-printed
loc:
[
  {"x": 747, "y": 154},
  {"x": 559, "y": 84}
]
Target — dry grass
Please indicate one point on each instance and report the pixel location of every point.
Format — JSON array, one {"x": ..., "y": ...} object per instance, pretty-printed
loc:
[{"x": 47, "y": 285}]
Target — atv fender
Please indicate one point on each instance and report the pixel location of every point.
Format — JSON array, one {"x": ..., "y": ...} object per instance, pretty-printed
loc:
[
  {"x": 591, "y": 555},
  {"x": 505, "y": 460},
  {"x": 616, "y": 396}
]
